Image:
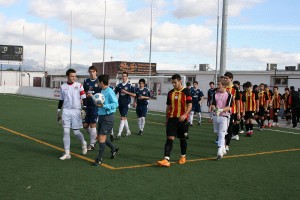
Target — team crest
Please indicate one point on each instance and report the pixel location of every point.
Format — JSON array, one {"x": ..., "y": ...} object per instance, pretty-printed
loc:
[
  {"x": 96, "y": 85},
  {"x": 76, "y": 88},
  {"x": 176, "y": 97},
  {"x": 126, "y": 88}
]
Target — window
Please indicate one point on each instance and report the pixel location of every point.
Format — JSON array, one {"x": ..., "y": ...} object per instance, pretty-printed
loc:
[
  {"x": 190, "y": 79},
  {"x": 280, "y": 80}
]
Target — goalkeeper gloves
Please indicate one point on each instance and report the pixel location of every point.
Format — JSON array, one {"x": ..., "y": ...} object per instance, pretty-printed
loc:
[
  {"x": 59, "y": 117},
  {"x": 218, "y": 111}
]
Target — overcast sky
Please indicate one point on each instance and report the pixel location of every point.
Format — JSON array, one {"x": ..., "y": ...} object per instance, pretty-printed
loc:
[{"x": 184, "y": 32}]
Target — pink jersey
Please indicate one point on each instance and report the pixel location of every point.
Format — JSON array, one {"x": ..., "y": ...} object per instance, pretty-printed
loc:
[
  {"x": 222, "y": 100},
  {"x": 72, "y": 94}
]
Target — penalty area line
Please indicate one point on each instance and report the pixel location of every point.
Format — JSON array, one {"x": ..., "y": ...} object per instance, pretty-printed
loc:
[{"x": 53, "y": 146}]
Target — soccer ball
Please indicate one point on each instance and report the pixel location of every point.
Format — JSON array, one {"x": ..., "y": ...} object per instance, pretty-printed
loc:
[{"x": 98, "y": 99}]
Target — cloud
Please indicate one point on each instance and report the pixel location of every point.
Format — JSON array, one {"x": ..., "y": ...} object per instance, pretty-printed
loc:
[
  {"x": 7, "y": 3},
  {"x": 196, "y": 8}
]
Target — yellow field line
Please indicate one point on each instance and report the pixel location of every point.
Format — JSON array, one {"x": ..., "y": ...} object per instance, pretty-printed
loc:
[
  {"x": 214, "y": 158},
  {"x": 53, "y": 146}
]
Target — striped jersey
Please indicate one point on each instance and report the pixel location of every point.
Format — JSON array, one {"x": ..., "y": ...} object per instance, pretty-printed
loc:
[
  {"x": 178, "y": 101},
  {"x": 250, "y": 100},
  {"x": 270, "y": 95},
  {"x": 72, "y": 94},
  {"x": 262, "y": 98},
  {"x": 234, "y": 91},
  {"x": 276, "y": 101}
]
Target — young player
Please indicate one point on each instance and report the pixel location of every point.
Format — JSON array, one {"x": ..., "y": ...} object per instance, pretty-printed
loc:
[
  {"x": 91, "y": 87},
  {"x": 270, "y": 95},
  {"x": 275, "y": 104},
  {"x": 106, "y": 119},
  {"x": 210, "y": 92},
  {"x": 179, "y": 105},
  {"x": 286, "y": 106},
  {"x": 242, "y": 121},
  {"x": 235, "y": 109},
  {"x": 221, "y": 104},
  {"x": 250, "y": 101},
  {"x": 71, "y": 94},
  {"x": 197, "y": 95},
  {"x": 263, "y": 105},
  {"x": 141, "y": 101},
  {"x": 126, "y": 91}
]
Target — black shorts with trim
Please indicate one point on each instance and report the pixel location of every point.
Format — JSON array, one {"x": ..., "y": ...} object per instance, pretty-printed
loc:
[
  {"x": 177, "y": 128},
  {"x": 249, "y": 115},
  {"x": 261, "y": 111}
]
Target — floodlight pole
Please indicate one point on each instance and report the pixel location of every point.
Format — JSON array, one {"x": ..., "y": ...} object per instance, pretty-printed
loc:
[
  {"x": 45, "y": 53},
  {"x": 217, "y": 44},
  {"x": 104, "y": 37},
  {"x": 224, "y": 38},
  {"x": 71, "y": 39},
  {"x": 150, "y": 47}
]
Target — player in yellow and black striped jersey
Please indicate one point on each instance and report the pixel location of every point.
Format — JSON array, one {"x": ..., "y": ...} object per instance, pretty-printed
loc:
[
  {"x": 263, "y": 105},
  {"x": 270, "y": 95},
  {"x": 276, "y": 105}
]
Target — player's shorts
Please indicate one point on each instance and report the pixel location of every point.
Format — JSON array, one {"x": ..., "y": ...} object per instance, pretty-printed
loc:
[
  {"x": 287, "y": 111},
  {"x": 71, "y": 118},
  {"x": 196, "y": 107},
  {"x": 220, "y": 124},
  {"x": 141, "y": 111},
  {"x": 123, "y": 110},
  {"x": 91, "y": 115},
  {"x": 249, "y": 115},
  {"x": 276, "y": 110},
  {"x": 105, "y": 124},
  {"x": 261, "y": 111},
  {"x": 176, "y": 128},
  {"x": 267, "y": 111}
]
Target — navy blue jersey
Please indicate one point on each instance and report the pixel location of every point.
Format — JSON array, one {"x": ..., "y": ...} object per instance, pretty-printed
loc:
[
  {"x": 124, "y": 99},
  {"x": 197, "y": 95},
  {"x": 91, "y": 86},
  {"x": 142, "y": 92},
  {"x": 210, "y": 93}
]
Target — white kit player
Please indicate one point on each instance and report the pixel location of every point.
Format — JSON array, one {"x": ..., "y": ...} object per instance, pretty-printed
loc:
[
  {"x": 221, "y": 105},
  {"x": 71, "y": 96}
]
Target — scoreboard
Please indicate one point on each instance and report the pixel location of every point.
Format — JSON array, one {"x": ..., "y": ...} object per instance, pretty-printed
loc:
[{"x": 11, "y": 53}]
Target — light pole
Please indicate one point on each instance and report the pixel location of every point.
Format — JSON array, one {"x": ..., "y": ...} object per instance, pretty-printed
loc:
[
  {"x": 104, "y": 37},
  {"x": 275, "y": 68},
  {"x": 29, "y": 79}
]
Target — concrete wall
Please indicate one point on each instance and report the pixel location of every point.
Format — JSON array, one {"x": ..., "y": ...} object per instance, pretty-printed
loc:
[{"x": 17, "y": 78}]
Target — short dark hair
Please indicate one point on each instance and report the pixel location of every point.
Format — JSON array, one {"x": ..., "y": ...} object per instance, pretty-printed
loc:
[
  {"x": 195, "y": 82},
  {"x": 104, "y": 78},
  {"x": 125, "y": 73},
  {"x": 188, "y": 84},
  {"x": 142, "y": 80},
  {"x": 286, "y": 89},
  {"x": 211, "y": 83},
  {"x": 249, "y": 84},
  {"x": 176, "y": 76},
  {"x": 237, "y": 82},
  {"x": 229, "y": 75},
  {"x": 292, "y": 88},
  {"x": 275, "y": 87},
  {"x": 93, "y": 68},
  {"x": 69, "y": 71}
]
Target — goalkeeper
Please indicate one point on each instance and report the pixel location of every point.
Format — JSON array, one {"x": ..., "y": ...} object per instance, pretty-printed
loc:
[
  {"x": 221, "y": 105},
  {"x": 71, "y": 95}
]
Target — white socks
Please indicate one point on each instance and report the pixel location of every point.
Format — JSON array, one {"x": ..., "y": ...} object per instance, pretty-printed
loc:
[
  {"x": 79, "y": 135},
  {"x": 127, "y": 126},
  {"x": 121, "y": 127},
  {"x": 141, "y": 123},
  {"x": 93, "y": 135},
  {"x": 66, "y": 140},
  {"x": 191, "y": 117},
  {"x": 199, "y": 117}
]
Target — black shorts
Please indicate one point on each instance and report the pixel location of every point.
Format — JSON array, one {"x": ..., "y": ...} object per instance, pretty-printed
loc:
[
  {"x": 249, "y": 115},
  {"x": 261, "y": 111},
  {"x": 105, "y": 124},
  {"x": 287, "y": 111},
  {"x": 176, "y": 128},
  {"x": 276, "y": 110}
]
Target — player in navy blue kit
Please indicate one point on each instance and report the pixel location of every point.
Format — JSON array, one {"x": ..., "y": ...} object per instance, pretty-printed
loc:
[
  {"x": 197, "y": 95},
  {"x": 126, "y": 91},
  {"x": 91, "y": 87},
  {"x": 141, "y": 101}
]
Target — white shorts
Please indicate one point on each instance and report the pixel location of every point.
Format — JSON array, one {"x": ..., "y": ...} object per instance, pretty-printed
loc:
[
  {"x": 220, "y": 124},
  {"x": 71, "y": 118}
]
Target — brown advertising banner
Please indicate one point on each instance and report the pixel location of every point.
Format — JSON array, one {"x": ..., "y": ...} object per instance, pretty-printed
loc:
[{"x": 136, "y": 68}]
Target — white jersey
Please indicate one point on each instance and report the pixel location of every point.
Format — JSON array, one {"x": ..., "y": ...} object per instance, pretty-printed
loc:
[{"x": 72, "y": 94}]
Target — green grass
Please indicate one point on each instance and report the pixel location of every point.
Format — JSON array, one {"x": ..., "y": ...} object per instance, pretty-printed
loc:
[{"x": 30, "y": 170}]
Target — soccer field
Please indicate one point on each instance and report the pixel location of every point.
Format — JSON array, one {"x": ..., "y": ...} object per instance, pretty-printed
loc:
[{"x": 265, "y": 166}]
